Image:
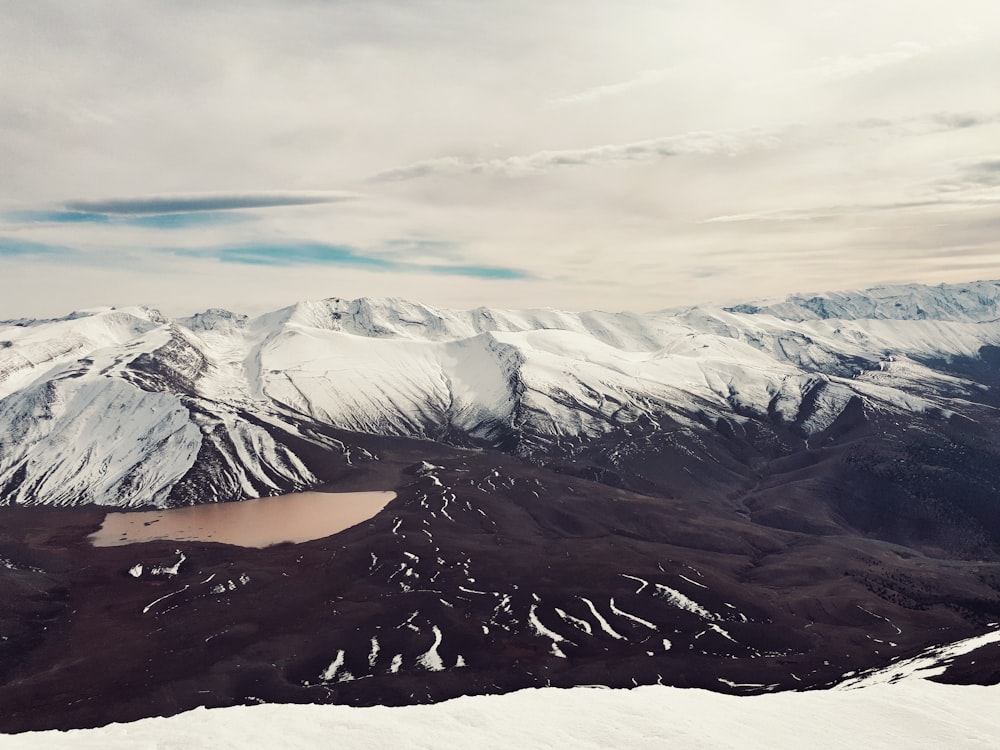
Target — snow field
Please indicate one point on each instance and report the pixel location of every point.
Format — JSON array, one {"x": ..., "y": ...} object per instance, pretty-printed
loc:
[{"x": 915, "y": 714}]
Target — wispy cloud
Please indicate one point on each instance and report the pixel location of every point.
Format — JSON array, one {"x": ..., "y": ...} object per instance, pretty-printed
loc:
[
  {"x": 848, "y": 66},
  {"x": 191, "y": 202},
  {"x": 970, "y": 183},
  {"x": 972, "y": 175},
  {"x": 933, "y": 122},
  {"x": 820, "y": 213},
  {"x": 773, "y": 215},
  {"x": 416, "y": 246},
  {"x": 321, "y": 254},
  {"x": 704, "y": 143},
  {"x": 646, "y": 78},
  {"x": 728, "y": 143}
]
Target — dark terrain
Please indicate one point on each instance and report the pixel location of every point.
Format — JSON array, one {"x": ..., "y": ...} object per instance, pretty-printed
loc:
[{"x": 488, "y": 567}]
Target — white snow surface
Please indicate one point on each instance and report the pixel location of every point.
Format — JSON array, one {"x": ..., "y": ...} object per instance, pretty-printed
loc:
[
  {"x": 933, "y": 662},
  {"x": 401, "y": 368},
  {"x": 914, "y": 714}
]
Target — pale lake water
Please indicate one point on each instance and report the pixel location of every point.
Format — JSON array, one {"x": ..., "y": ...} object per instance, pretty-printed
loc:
[{"x": 297, "y": 517}]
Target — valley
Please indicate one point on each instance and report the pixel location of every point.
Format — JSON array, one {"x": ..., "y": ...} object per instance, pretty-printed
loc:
[{"x": 810, "y": 518}]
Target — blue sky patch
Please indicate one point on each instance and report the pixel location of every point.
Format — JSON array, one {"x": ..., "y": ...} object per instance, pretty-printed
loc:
[
  {"x": 150, "y": 221},
  {"x": 182, "y": 220},
  {"x": 479, "y": 272},
  {"x": 58, "y": 217},
  {"x": 274, "y": 254},
  {"x": 10, "y": 246},
  {"x": 314, "y": 253}
]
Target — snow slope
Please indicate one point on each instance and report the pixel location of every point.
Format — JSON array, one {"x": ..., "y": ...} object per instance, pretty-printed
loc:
[
  {"x": 911, "y": 714},
  {"x": 223, "y": 402},
  {"x": 890, "y": 708}
]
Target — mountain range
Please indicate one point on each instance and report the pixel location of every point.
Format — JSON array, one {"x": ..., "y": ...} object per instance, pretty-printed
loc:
[{"x": 750, "y": 498}]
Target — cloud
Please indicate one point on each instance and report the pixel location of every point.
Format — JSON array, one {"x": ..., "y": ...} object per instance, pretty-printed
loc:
[
  {"x": 257, "y": 100},
  {"x": 976, "y": 174},
  {"x": 933, "y": 122},
  {"x": 820, "y": 213},
  {"x": 320, "y": 254},
  {"x": 704, "y": 143},
  {"x": 775, "y": 215},
  {"x": 435, "y": 248},
  {"x": 646, "y": 78},
  {"x": 190, "y": 202},
  {"x": 846, "y": 66}
]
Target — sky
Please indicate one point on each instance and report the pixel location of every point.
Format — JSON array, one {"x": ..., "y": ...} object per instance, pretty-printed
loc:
[{"x": 584, "y": 154}]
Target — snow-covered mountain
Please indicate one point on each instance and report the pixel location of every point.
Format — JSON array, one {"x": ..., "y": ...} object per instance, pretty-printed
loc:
[
  {"x": 126, "y": 407},
  {"x": 759, "y": 499}
]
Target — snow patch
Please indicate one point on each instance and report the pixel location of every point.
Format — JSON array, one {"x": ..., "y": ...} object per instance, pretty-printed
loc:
[
  {"x": 543, "y": 632},
  {"x": 333, "y": 672},
  {"x": 605, "y": 625},
  {"x": 431, "y": 660},
  {"x": 679, "y": 600},
  {"x": 633, "y": 618}
]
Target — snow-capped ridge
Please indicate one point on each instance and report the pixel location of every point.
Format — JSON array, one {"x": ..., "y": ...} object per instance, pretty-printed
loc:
[
  {"x": 969, "y": 302},
  {"x": 530, "y": 381},
  {"x": 214, "y": 319}
]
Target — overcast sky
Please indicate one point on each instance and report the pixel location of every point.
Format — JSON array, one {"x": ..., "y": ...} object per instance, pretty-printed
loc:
[{"x": 624, "y": 154}]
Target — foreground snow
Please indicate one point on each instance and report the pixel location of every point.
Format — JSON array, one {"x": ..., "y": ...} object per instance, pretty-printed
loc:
[{"x": 913, "y": 713}]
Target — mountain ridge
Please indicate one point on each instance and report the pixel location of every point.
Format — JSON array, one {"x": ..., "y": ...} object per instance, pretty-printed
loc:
[
  {"x": 530, "y": 382},
  {"x": 704, "y": 498}
]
